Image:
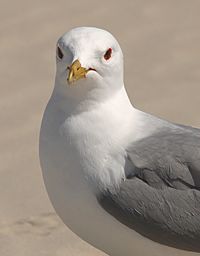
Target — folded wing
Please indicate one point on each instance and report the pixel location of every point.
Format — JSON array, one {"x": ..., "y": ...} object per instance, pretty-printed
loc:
[{"x": 160, "y": 197}]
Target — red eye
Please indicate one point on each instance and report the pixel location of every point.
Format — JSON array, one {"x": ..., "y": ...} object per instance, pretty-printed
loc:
[
  {"x": 108, "y": 54},
  {"x": 59, "y": 53}
]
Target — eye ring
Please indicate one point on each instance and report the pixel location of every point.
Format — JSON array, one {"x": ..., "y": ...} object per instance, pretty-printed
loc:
[
  {"x": 59, "y": 53},
  {"x": 108, "y": 54}
]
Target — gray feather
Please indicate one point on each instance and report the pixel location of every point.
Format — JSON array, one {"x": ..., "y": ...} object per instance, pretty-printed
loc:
[
  {"x": 172, "y": 153},
  {"x": 160, "y": 198}
]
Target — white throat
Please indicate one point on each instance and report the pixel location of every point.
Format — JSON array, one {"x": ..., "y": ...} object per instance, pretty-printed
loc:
[{"x": 99, "y": 133}]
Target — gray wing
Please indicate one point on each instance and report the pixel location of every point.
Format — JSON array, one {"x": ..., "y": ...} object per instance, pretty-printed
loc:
[{"x": 160, "y": 198}]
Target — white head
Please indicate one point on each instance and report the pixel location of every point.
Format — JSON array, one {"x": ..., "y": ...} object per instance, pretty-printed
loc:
[{"x": 89, "y": 64}]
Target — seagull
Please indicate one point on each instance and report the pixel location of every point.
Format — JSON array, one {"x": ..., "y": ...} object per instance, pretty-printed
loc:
[{"x": 123, "y": 180}]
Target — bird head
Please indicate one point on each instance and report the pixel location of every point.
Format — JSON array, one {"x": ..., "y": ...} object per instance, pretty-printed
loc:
[{"x": 89, "y": 63}]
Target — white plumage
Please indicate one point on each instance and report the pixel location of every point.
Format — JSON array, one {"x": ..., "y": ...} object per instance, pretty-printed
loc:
[{"x": 85, "y": 131}]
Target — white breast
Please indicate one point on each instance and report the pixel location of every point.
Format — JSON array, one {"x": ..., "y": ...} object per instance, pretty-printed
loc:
[
  {"x": 80, "y": 154},
  {"x": 76, "y": 160}
]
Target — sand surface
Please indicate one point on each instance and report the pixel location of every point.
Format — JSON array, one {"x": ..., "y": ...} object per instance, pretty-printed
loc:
[{"x": 161, "y": 44}]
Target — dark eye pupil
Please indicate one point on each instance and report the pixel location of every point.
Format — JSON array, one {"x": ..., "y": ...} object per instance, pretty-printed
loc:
[
  {"x": 108, "y": 53},
  {"x": 59, "y": 53}
]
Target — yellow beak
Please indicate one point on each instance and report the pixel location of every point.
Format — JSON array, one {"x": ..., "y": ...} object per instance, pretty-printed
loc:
[{"x": 76, "y": 72}]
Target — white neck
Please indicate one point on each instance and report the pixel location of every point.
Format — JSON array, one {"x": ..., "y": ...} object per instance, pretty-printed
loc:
[
  {"x": 86, "y": 94},
  {"x": 100, "y": 132}
]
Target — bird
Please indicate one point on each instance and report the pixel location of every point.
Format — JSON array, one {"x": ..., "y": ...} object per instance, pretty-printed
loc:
[{"x": 121, "y": 179}]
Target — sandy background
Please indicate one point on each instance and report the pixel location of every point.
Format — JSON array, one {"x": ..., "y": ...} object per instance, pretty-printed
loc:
[{"x": 161, "y": 44}]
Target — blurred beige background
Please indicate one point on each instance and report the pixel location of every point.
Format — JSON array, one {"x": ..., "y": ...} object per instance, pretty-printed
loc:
[{"x": 161, "y": 44}]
